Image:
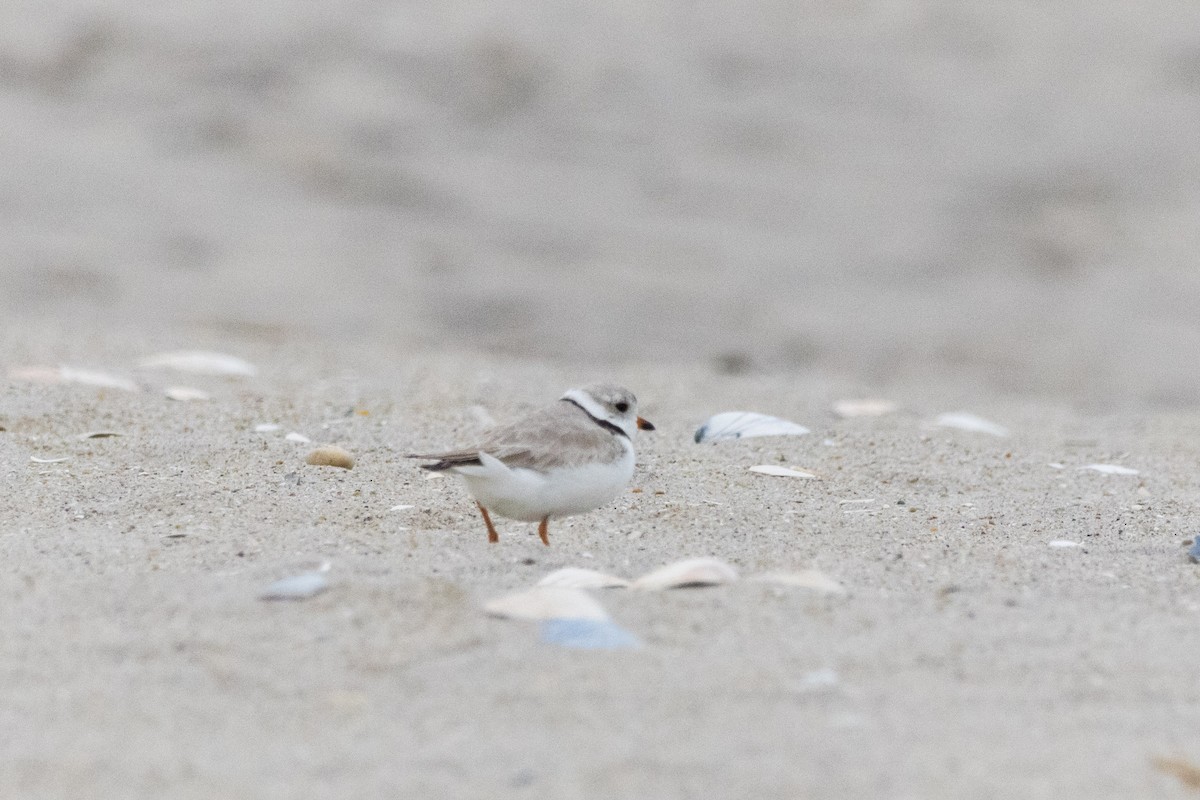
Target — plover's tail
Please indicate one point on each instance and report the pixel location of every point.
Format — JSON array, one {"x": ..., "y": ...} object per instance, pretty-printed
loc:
[{"x": 444, "y": 461}]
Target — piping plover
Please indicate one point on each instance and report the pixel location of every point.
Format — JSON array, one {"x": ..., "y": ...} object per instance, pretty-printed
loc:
[{"x": 567, "y": 458}]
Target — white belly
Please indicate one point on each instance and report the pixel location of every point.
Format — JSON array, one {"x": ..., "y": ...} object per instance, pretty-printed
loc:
[{"x": 530, "y": 496}]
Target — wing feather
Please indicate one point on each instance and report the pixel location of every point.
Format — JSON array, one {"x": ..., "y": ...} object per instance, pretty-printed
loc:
[{"x": 549, "y": 436}]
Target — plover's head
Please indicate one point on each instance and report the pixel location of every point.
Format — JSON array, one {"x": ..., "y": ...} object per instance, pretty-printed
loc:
[{"x": 609, "y": 403}]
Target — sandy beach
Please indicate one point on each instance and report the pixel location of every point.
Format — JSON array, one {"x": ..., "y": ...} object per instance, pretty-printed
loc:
[{"x": 413, "y": 220}]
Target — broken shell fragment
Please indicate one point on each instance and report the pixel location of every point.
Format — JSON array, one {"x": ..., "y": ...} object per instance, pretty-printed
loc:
[
  {"x": 847, "y": 409},
  {"x": 579, "y": 578},
  {"x": 99, "y": 434},
  {"x": 201, "y": 362},
  {"x": 547, "y": 602},
  {"x": 330, "y": 456},
  {"x": 1110, "y": 469},
  {"x": 745, "y": 425},
  {"x": 783, "y": 472},
  {"x": 587, "y": 634},
  {"x": 296, "y": 587},
  {"x": 185, "y": 394},
  {"x": 965, "y": 421},
  {"x": 297, "y": 437},
  {"x": 803, "y": 579},
  {"x": 688, "y": 573}
]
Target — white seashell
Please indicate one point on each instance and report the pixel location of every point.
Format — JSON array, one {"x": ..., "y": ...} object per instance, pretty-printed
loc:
[
  {"x": 36, "y": 374},
  {"x": 267, "y": 427},
  {"x": 185, "y": 394},
  {"x": 1110, "y": 469},
  {"x": 965, "y": 421},
  {"x": 1056, "y": 465},
  {"x": 297, "y": 437},
  {"x": 690, "y": 572},
  {"x": 86, "y": 377},
  {"x": 330, "y": 456},
  {"x": 744, "y": 425},
  {"x": 588, "y": 634},
  {"x": 99, "y": 434},
  {"x": 783, "y": 472},
  {"x": 1063, "y": 543},
  {"x": 59, "y": 460},
  {"x": 863, "y": 408},
  {"x": 401, "y": 507},
  {"x": 202, "y": 362},
  {"x": 296, "y": 587},
  {"x": 803, "y": 579},
  {"x": 547, "y": 602},
  {"x": 579, "y": 578}
]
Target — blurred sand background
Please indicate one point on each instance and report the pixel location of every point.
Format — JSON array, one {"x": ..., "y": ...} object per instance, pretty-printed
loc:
[{"x": 409, "y": 209}]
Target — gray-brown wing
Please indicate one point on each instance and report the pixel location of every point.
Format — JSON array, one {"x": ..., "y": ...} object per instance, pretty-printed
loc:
[{"x": 560, "y": 434}]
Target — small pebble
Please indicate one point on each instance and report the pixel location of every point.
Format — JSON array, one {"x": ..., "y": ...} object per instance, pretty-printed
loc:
[{"x": 330, "y": 456}]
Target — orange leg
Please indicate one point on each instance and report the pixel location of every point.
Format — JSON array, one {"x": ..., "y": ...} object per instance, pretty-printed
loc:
[
  {"x": 544, "y": 531},
  {"x": 493, "y": 537}
]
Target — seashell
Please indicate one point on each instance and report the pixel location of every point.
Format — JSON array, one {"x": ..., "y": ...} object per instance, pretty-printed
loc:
[
  {"x": 745, "y": 425},
  {"x": 863, "y": 408},
  {"x": 58, "y": 460},
  {"x": 1193, "y": 552},
  {"x": 87, "y": 377},
  {"x": 579, "y": 578},
  {"x": 202, "y": 362},
  {"x": 1063, "y": 543},
  {"x": 297, "y": 587},
  {"x": 965, "y": 421},
  {"x": 688, "y": 573},
  {"x": 401, "y": 507},
  {"x": 1110, "y": 469},
  {"x": 297, "y": 437},
  {"x": 783, "y": 472},
  {"x": 803, "y": 579},
  {"x": 99, "y": 434},
  {"x": 547, "y": 602},
  {"x": 267, "y": 427},
  {"x": 330, "y": 456},
  {"x": 185, "y": 393},
  {"x": 587, "y": 634},
  {"x": 35, "y": 374}
]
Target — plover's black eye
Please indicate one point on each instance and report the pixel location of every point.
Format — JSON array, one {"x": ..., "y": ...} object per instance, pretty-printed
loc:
[{"x": 621, "y": 407}]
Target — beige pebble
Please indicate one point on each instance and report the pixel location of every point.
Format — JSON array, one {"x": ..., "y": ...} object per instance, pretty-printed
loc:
[{"x": 330, "y": 456}]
